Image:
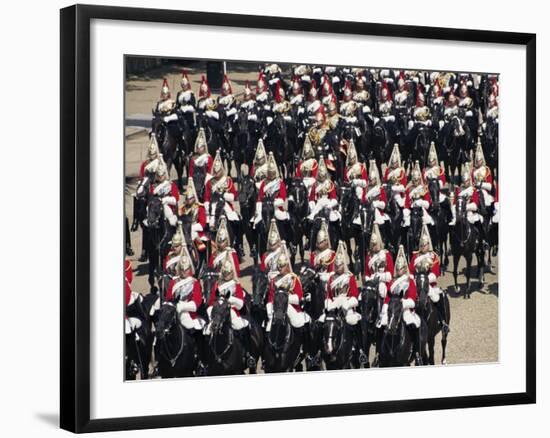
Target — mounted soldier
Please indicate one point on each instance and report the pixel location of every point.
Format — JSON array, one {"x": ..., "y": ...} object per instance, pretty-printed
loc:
[
  {"x": 221, "y": 188},
  {"x": 376, "y": 195},
  {"x": 425, "y": 260},
  {"x": 395, "y": 177},
  {"x": 417, "y": 195},
  {"x": 378, "y": 262},
  {"x": 172, "y": 258},
  {"x": 186, "y": 100},
  {"x": 223, "y": 249},
  {"x": 307, "y": 167},
  {"x": 355, "y": 172},
  {"x": 268, "y": 260},
  {"x": 403, "y": 286},
  {"x": 227, "y": 107},
  {"x": 200, "y": 166},
  {"x": 168, "y": 193},
  {"x": 258, "y": 170},
  {"x": 166, "y": 106},
  {"x": 323, "y": 196},
  {"x": 289, "y": 282},
  {"x": 193, "y": 216},
  {"x": 322, "y": 259},
  {"x": 229, "y": 287}
]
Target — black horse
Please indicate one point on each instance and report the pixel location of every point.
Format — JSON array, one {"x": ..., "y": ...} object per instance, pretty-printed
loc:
[
  {"x": 369, "y": 308},
  {"x": 396, "y": 343},
  {"x": 363, "y": 231},
  {"x": 225, "y": 352},
  {"x": 382, "y": 144},
  {"x": 420, "y": 138},
  {"x": 415, "y": 229},
  {"x": 244, "y": 142},
  {"x": 139, "y": 342},
  {"x": 490, "y": 145},
  {"x": 428, "y": 313},
  {"x": 140, "y": 213},
  {"x": 260, "y": 286},
  {"x": 247, "y": 206},
  {"x": 174, "y": 345},
  {"x": 277, "y": 141},
  {"x": 157, "y": 239},
  {"x": 337, "y": 341},
  {"x": 349, "y": 204},
  {"x": 464, "y": 243},
  {"x": 283, "y": 342},
  {"x": 454, "y": 140},
  {"x": 395, "y": 234},
  {"x": 441, "y": 215},
  {"x": 297, "y": 210}
]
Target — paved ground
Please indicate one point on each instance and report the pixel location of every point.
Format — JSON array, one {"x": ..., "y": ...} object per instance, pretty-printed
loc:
[{"x": 474, "y": 323}]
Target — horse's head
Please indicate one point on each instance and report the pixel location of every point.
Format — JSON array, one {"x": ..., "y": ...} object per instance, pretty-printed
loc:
[
  {"x": 280, "y": 305},
  {"x": 154, "y": 212},
  {"x": 247, "y": 190},
  {"x": 242, "y": 121},
  {"x": 166, "y": 319},
  {"x": 297, "y": 195},
  {"x": 279, "y": 123},
  {"x": 369, "y": 298},
  {"x": 422, "y": 288},
  {"x": 332, "y": 331},
  {"x": 433, "y": 188},
  {"x": 259, "y": 288},
  {"x": 366, "y": 215},
  {"x": 220, "y": 315},
  {"x": 280, "y": 328},
  {"x": 395, "y": 312}
]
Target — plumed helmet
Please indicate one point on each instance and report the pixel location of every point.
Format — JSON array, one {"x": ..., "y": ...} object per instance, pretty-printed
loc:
[
  {"x": 204, "y": 88},
  {"x": 282, "y": 261},
  {"x": 340, "y": 261},
  {"x": 322, "y": 172},
  {"x": 272, "y": 170},
  {"x": 222, "y": 235},
  {"x": 401, "y": 262},
  {"x": 260, "y": 156},
  {"x": 376, "y": 238},
  {"x": 296, "y": 85},
  {"x": 153, "y": 149},
  {"x": 226, "y": 86},
  {"x": 307, "y": 150},
  {"x": 200, "y": 142},
  {"x": 348, "y": 93},
  {"x": 190, "y": 191},
  {"x": 466, "y": 174},
  {"x": 273, "y": 236},
  {"x": 162, "y": 170},
  {"x": 228, "y": 268},
  {"x": 479, "y": 156},
  {"x": 360, "y": 82},
  {"x": 177, "y": 238},
  {"x": 463, "y": 89},
  {"x": 323, "y": 234},
  {"x": 279, "y": 93},
  {"x": 313, "y": 92},
  {"x": 420, "y": 98},
  {"x": 432, "y": 155},
  {"x": 374, "y": 175},
  {"x": 217, "y": 165},
  {"x": 185, "y": 266},
  {"x": 425, "y": 239},
  {"x": 165, "y": 90},
  {"x": 416, "y": 173},
  {"x": 248, "y": 94},
  {"x": 333, "y": 104},
  {"x": 395, "y": 157},
  {"x": 185, "y": 83},
  {"x": 401, "y": 80},
  {"x": 351, "y": 157},
  {"x": 261, "y": 84},
  {"x": 327, "y": 86}
]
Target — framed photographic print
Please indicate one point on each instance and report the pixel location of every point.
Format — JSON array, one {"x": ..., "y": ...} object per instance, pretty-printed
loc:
[{"x": 318, "y": 215}]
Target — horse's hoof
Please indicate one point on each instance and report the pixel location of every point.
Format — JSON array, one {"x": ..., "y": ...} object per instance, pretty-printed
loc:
[{"x": 444, "y": 362}]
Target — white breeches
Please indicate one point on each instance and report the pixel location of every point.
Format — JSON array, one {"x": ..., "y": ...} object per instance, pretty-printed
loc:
[
  {"x": 496, "y": 216},
  {"x": 434, "y": 293},
  {"x": 297, "y": 319},
  {"x": 308, "y": 182},
  {"x": 190, "y": 323},
  {"x": 410, "y": 317},
  {"x": 488, "y": 198},
  {"x": 281, "y": 215},
  {"x": 472, "y": 216},
  {"x": 382, "y": 289},
  {"x": 131, "y": 324},
  {"x": 380, "y": 218},
  {"x": 169, "y": 215},
  {"x": 237, "y": 323},
  {"x": 426, "y": 218},
  {"x": 352, "y": 317}
]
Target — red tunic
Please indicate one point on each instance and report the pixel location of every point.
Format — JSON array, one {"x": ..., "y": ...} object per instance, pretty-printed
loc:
[
  {"x": 263, "y": 267},
  {"x": 381, "y": 197},
  {"x": 436, "y": 270},
  {"x": 411, "y": 291},
  {"x": 352, "y": 290},
  {"x": 128, "y": 271},
  {"x": 127, "y": 292},
  {"x": 313, "y": 193},
  {"x": 402, "y": 179},
  {"x": 408, "y": 201},
  {"x": 239, "y": 293},
  {"x": 235, "y": 262},
  {"x": 441, "y": 176},
  {"x": 296, "y": 288},
  {"x": 474, "y": 198},
  {"x": 230, "y": 189},
  {"x": 363, "y": 174},
  {"x": 389, "y": 264},
  {"x": 142, "y": 168},
  {"x": 195, "y": 296},
  {"x": 279, "y": 194},
  {"x": 329, "y": 266},
  {"x": 314, "y": 170},
  {"x": 173, "y": 192},
  {"x": 192, "y": 166}
]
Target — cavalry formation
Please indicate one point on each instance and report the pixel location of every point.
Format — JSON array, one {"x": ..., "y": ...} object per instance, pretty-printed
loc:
[{"x": 379, "y": 174}]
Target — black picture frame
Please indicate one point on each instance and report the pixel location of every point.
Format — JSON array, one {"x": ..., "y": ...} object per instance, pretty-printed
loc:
[{"x": 75, "y": 217}]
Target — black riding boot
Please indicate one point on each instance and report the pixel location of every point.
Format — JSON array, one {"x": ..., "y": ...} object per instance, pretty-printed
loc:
[
  {"x": 245, "y": 339},
  {"x": 202, "y": 353},
  {"x": 417, "y": 343},
  {"x": 358, "y": 335},
  {"x": 442, "y": 314},
  {"x": 237, "y": 232},
  {"x": 144, "y": 240},
  {"x": 129, "y": 250},
  {"x": 310, "y": 338}
]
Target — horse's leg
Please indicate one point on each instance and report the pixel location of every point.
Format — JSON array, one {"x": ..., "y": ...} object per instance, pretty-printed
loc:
[
  {"x": 468, "y": 273},
  {"x": 456, "y": 259},
  {"x": 431, "y": 355}
]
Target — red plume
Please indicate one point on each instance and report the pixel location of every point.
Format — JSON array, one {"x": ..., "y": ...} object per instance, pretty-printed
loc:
[{"x": 278, "y": 96}]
